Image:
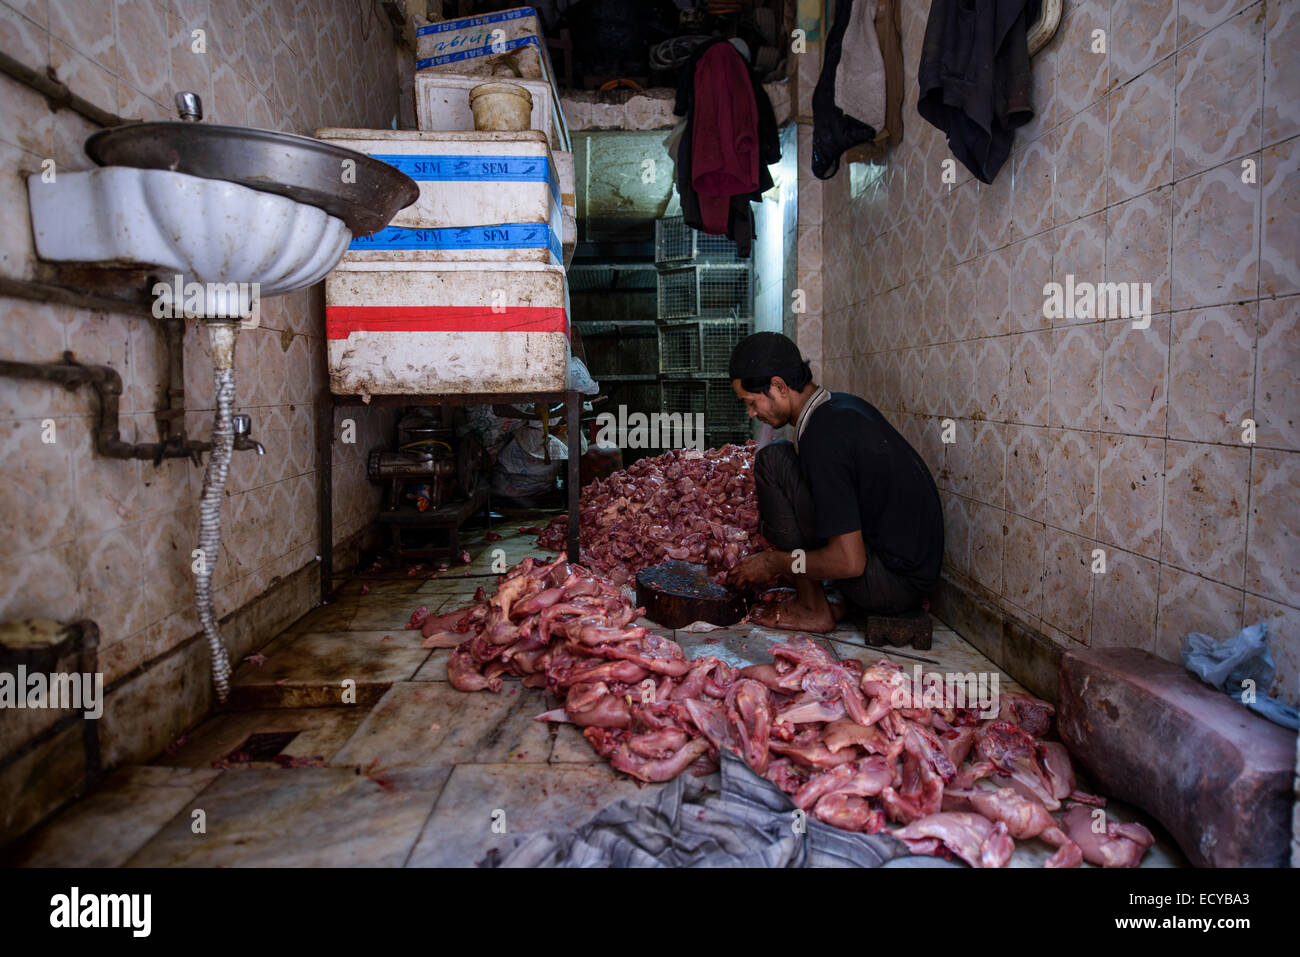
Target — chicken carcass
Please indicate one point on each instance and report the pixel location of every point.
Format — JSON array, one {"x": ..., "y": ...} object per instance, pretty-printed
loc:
[
  {"x": 1104, "y": 842},
  {"x": 1011, "y": 749},
  {"x": 751, "y": 719},
  {"x": 1024, "y": 817},
  {"x": 850, "y": 744},
  {"x": 973, "y": 838},
  {"x": 685, "y": 505}
]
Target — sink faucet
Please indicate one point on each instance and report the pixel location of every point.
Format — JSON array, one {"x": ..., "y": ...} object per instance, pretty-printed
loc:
[
  {"x": 189, "y": 107},
  {"x": 243, "y": 424}
]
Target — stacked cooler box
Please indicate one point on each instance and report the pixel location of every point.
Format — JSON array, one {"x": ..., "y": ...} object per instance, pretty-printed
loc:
[
  {"x": 465, "y": 290},
  {"x": 455, "y": 56}
]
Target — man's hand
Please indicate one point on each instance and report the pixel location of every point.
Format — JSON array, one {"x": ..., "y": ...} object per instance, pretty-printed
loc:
[{"x": 758, "y": 569}]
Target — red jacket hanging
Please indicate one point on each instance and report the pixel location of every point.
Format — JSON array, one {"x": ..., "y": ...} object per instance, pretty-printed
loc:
[{"x": 724, "y": 135}]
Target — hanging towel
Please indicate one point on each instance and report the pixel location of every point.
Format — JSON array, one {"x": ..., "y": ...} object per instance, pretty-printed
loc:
[
  {"x": 891, "y": 52},
  {"x": 860, "y": 80},
  {"x": 975, "y": 80},
  {"x": 834, "y": 131},
  {"x": 724, "y": 140}
]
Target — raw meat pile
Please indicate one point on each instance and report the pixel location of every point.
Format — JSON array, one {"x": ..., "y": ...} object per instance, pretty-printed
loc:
[
  {"x": 853, "y": 747},
  {"x": 685, "y": 505}
]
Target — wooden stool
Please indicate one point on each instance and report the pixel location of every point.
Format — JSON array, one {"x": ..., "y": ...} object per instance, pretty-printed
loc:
[{"x": 912, "y": 627}]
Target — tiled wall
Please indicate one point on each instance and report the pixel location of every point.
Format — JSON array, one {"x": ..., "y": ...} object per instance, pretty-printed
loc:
[
  {"x": 805, "y": 324},
  {"x": 92, "y": 537},
  {"x": 1170, "y": 159}
]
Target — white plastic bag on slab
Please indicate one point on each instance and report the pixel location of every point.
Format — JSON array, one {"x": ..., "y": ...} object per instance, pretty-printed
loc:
[
  {"x": 1229, "y": 665},
  {"x": 580, "y": 379}
]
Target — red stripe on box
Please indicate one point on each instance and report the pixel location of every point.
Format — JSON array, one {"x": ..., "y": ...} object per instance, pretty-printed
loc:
[{"x": 342, "y": 321}]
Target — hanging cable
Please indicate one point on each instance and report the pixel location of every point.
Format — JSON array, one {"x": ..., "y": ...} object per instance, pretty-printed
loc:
[{"x": 673, "y": 52}]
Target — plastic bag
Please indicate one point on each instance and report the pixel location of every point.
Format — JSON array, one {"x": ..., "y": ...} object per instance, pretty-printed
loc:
[
  {"x": 1227, "y": 665},
  {"x": 518, "y": 474},
  {"x": 580, "y": 379},
  {"x": 530, "y": 439}
]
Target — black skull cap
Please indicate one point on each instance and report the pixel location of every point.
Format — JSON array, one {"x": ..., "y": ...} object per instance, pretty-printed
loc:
[{"x": 763, "y": 355}]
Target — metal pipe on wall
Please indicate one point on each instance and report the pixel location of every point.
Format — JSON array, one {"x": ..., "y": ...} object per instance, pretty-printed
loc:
[
  {"x": 58, "y": 93},
  {"x": 107, "y": 384}
]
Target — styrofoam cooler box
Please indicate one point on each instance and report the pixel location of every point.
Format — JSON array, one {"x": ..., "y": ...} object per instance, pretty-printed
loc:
[
  {"x": 485, "y": 45},
  {"x": 483, "y": 197},
  {"x": 442, "y": 104},
  {"x": 568, "y": 203},
  {"x": 447, "y": 328}
]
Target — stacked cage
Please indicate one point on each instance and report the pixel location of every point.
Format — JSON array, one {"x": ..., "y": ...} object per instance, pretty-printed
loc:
[{"x": 705, "y": 308}]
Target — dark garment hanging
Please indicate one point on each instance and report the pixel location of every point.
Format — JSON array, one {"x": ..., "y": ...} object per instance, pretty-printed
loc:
[
  {"x": 740, "y": 217},
  {"x": 834, "y": 131},
  {"x": 974, "y": 78},
  {"x": 724, "y": 135}
]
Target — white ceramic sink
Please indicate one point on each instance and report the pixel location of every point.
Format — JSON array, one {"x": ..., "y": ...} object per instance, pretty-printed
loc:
[{"x": 203, "y": 230}]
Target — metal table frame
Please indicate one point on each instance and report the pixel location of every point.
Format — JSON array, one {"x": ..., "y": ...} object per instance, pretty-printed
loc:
[{"x": 325, "y": 450}]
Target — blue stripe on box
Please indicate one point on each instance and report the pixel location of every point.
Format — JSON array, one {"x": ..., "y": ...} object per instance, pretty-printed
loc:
[
  {"x": 466, "y": 22},
  {"x": 510, "y": 169},
  {"x": 504, "y": 236},
  {"x": 490, "y": 49}
]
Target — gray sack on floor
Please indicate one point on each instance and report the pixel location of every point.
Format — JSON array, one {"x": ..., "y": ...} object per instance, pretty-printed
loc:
[
  {"x": 749, "y": 823},
  {"x": 1226, "y": 665}
]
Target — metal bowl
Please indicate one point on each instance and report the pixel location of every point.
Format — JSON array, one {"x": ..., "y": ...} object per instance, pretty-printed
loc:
[{"x": 366, "y": 196}]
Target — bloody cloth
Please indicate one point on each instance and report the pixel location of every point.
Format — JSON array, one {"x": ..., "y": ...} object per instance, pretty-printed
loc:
[{"x": 724, "y": 141}]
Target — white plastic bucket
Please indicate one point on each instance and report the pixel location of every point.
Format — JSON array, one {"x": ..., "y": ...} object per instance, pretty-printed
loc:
[{"x": 501, "y": 107}]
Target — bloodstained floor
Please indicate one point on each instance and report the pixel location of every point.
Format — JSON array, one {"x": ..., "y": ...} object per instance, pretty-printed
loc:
[{"x": 406, "y": 771}]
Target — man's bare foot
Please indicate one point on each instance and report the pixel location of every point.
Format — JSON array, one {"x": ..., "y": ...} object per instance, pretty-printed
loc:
[{"x": 792, "y": 616}]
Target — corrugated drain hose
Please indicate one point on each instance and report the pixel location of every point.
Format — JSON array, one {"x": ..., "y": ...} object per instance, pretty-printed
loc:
[{"x": 214, "y": 486}]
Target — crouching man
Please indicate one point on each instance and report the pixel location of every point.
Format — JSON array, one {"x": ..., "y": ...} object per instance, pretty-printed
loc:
[{"x": 849, "y": 491}]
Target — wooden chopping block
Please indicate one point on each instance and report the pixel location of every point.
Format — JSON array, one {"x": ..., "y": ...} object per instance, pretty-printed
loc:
[
  {"x": 674, "y": 594},
  {"x": 1214, "y": 773}
]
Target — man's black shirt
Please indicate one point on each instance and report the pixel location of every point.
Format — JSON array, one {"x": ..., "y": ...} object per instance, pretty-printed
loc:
[{"x": 864, "y": 475}]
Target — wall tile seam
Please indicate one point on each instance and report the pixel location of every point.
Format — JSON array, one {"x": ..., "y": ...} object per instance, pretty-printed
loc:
[
  {"x": 1160, "y": 605},
  {"x": 1068, "y": 326},
  {"x": 13, "y": 144},
  {"x": 266, "y": 566},
  {"x": 1252, "y": 151},
  {"x": 1117, "y": 85},
  {"x": 196, "y": 634},
  {"x": 1096, "y": 539},
  {"x": 1115, "y": 203},
  {"x": 1039, "y": 622},
  {"x": 56, "y": 36},
  {"x": 1181, "y": 43},
  {"x": 1184, "y": 440},
  {"x": 1110, "y": 204},
  {"x": 34, "y": 24},
  {"x": 1098, "y": 432},
  {"x": 149, "y": 518},
  {"x": 1291, "y": 603},
  {"x": 1027, "y": 617},
  {"x": 108, "y": 639}
]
